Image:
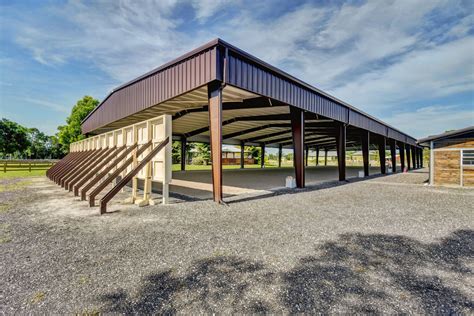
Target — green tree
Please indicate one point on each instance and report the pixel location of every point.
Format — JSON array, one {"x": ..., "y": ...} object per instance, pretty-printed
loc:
[
  {"x": 13, "y": 139},
  {"x": 203, "y": 151},
  {"x": 39, "y": 144},
  {"x": 71, "y": 132},
  {"x": 254, "y": 152},
  {"x": 176, "y": 151}
]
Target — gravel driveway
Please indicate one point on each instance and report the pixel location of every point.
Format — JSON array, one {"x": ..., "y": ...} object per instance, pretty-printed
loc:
[{"x": 384, "y": 245}]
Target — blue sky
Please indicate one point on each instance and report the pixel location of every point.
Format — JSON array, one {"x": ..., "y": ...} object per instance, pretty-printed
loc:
[{"x": 409, "y": 63}]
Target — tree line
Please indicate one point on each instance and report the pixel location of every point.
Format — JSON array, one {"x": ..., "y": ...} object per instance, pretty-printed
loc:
[{"x": 20, "y": 142}]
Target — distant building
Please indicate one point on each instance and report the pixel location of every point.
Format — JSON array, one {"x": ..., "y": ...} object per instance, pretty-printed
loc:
[
  {"x": 231, "y": 156},
  {"x": 451, "y": 157}
]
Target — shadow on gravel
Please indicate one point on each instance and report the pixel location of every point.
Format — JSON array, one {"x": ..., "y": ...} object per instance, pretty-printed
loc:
[{"x": 357, "y": 273}]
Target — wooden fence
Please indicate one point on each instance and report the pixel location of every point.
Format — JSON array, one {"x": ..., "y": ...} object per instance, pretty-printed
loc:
[{"x": 26, "y": 164}]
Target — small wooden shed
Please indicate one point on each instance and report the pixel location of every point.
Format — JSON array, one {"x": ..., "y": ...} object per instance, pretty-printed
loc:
[{"x": 451, "y": 157}]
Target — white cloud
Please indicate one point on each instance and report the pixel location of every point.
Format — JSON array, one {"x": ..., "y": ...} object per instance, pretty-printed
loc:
[
  {"x": 372, "y": 54},
  {"x": 419, "y": 75},
  {"x": 431, "y": 120},
  {"x": 50, "y": 105},
  {"x": 207, "y": 8},
  {"x": 124, "y": 38}
]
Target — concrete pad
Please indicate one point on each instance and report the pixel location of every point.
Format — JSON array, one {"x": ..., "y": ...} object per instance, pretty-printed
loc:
[{"x": 197, "y": 183}]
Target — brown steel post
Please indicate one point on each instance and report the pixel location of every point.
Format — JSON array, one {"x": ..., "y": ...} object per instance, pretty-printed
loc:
[
  {"x": 325, "y": 156},
  {"x": 365, "y": 139},
  {"x": 262, "y": 160},
  {"x": 317, "y": 155},
  {"x": 401, "y": 150},
  {"x": 280, "y": 154},
  {"x": 214, "y": 90},
  {"x": 413, "y": 156},
  {"x": 183, "y": 153},
  {"x": 242, "y": 155},
  {"x": 307, "y": 154},
  {"x": 421, "y": 157},
  {"x": 418, "y": 156},
  {"x": 341, "y": 150},
  {"x": 382, "y": 147},
  {"x": 393, "y": 154},
  {"x": 407, "y": 148},
  {"x": 297, "y": 131}
]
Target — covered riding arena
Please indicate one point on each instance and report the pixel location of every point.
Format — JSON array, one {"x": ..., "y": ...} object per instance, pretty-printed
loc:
[{"x": 219, "y": 94}]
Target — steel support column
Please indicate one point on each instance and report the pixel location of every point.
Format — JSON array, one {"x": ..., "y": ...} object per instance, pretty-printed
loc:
[
  {"x": 280, "y": 154},
  {"x": 262, "y": 158},
  {"x": 317, "y": 155},
  {"x": 242, "y": 155},
  {"x": 297, "y": 131},
  {"x": 214, "y": 90},
  {"x": 413, "y": 156},
  {"x": 307, "y": 155},
  {"x": 365, "y": 139},
  {"x": 341, "y": 150},
  {"x": 325, "y": 156},
  {"x": 417, "y": 157},
  {"x": 421, "y": 157},
  {"x": 401, "y": 150},
  {"x": 407, "y": 148},
  {"x": 183, "y": 153},
  {"x": 382, "y": 147},
  {"x": 393, "y": 154}
]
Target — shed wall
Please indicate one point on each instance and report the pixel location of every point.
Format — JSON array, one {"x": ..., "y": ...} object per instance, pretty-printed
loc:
[{"x": 448, "y": 167}]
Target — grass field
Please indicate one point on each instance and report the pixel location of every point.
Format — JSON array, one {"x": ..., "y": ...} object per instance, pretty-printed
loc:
[
  {"x": 176, "y": 167},
  {"x": 22, "y": 174}
]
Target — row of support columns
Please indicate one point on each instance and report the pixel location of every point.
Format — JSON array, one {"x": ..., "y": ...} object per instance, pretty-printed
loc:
[{"x": 299, "y": 158}]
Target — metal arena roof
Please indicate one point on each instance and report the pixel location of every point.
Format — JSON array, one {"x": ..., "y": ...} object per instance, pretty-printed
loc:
[{"x": 178, "y": 85}]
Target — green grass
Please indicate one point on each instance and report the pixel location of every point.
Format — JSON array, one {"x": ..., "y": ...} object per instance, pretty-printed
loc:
[
  {"x": 22, "y": 174},
  {"x": 268, "y": 164},
  {"x": 15, "y": 186},
  {"x": 177, "y": 167}
]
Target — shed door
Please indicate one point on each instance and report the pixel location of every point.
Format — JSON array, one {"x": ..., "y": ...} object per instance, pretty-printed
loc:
[{"x": 447, "y": 167}]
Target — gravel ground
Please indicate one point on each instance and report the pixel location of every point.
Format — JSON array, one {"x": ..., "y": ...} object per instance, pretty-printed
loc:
[{"x": 384, "y": 245}]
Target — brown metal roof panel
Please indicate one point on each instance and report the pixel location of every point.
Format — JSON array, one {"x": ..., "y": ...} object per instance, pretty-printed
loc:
[{"x": 166, "y": 84}]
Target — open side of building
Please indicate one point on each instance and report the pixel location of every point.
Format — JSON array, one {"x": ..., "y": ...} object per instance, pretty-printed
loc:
[
  {"x": 451, "y": 157},
  {"x": 220, "y": 94}
]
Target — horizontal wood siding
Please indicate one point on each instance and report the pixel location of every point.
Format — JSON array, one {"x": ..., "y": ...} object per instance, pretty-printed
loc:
[
  {"x": 447, "y": 167},
  {"x": 468, "y": 176},
  {"x": 158, "y": 87}
]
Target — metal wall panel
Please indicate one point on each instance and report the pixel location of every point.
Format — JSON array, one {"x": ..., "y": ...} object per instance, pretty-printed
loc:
[
  {"x": 255, "y": 78},
  {"x": 155, "y": 88},
  {"x": 244, "y": 71}
]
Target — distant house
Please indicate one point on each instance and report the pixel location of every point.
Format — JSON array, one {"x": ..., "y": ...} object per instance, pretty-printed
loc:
[
  {"x": 451, "y": 157},
  {"x": 231, "y": 156}
]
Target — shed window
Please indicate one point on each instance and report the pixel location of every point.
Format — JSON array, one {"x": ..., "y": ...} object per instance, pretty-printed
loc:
[{"x": 468, "y": 157}]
